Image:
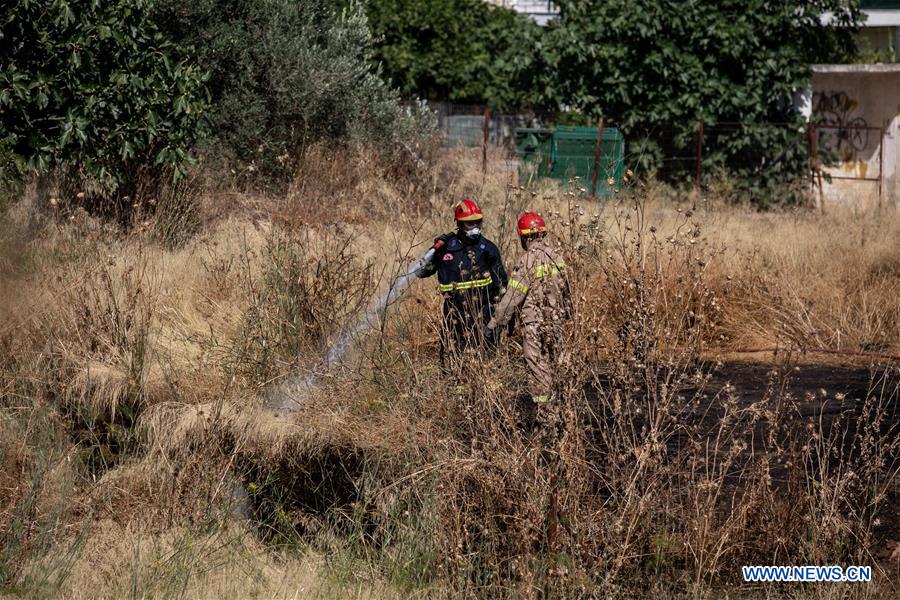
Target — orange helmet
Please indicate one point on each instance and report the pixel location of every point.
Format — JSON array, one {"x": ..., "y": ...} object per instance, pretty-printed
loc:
[
  {"x": 467, "y": 210},
  {"x": 530, "y": 223}
]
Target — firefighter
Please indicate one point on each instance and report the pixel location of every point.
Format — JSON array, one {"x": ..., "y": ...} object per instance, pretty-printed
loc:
[
  {"x": 538, "y": 284},
  {"x": 470, "y": 276}
]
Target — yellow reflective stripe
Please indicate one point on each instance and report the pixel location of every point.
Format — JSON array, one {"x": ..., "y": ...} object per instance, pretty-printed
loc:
[
  {"x": 465, "y": 285},
  {"x": 549, "y": 269},
  {"x": 532, "y": 230},
  {"x": 540, "y": 399},
  {"x": 518, "y": 285}
]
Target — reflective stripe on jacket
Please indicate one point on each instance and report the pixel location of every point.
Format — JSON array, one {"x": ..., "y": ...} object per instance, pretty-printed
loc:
[
  {"x": 465, "y": 285},
  {"x": 464, "y": 265},
  {"x": 537, "y": 284}
]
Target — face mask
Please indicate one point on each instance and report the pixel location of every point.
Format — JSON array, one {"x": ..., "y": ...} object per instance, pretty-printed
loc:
[{"x": 473, "y": 233}]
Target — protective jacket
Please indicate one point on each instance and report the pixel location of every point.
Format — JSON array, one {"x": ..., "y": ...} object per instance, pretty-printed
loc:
[
  {"x": 470, "y": 275},
  {"x": 538, "y": 284}
]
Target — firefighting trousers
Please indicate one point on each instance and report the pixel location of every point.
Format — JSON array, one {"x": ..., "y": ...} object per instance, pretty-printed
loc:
[
  {"x": 541, "y": 348},
  {"x": 464, "y": 322}
]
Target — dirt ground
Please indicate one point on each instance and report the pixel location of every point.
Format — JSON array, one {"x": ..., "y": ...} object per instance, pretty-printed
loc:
[{"x": 835, "y": 395}]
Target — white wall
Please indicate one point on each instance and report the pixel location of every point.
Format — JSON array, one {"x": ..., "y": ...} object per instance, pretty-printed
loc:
[
  {"x": 542, "y": 11},
  {"x": 852, "y": 99}
]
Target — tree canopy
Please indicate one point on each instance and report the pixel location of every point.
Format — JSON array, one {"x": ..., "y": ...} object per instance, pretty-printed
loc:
[
  {"x": 95, "y": 86},
  {"x": 465, "y": 51},
  {"x": 284, "y": 74},
  {"x": 667, "y": 61},
  {"x": 108, "y": 86},
  {"x": 654, "y": 65}
]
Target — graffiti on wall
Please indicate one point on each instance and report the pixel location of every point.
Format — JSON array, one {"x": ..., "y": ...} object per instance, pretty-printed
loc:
[{"x": 842, "y": 132}]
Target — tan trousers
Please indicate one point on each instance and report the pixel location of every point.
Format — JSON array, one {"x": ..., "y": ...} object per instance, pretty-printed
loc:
[{"x": 538, "y": 350}]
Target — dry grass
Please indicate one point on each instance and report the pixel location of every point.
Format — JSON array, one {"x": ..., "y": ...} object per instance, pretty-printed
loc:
[
  {"x": 114, "y": 561},
  {"x": 135, "y": 369}
]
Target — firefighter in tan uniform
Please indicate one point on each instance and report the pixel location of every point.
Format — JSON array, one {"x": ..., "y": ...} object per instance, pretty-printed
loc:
[{"x": 538, "y": 284}]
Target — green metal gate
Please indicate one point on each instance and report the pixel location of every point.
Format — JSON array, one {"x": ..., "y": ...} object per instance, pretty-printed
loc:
[{"x": 567, "y": 152}]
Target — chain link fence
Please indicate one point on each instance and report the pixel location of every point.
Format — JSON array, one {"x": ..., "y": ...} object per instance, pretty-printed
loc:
[{"x": 697, "y": 153}]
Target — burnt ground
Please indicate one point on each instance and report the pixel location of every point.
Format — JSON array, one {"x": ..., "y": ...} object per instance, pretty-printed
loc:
[
  {"x": 827, "y": 395},
  {"x": 815, "y": 387},
  {"x": 834, "y": 399}
]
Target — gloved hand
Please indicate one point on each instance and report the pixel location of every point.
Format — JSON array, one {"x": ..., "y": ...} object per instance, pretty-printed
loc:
[
  {"x": 511, "y": 325},
  {"x": 442, "y": 240}
]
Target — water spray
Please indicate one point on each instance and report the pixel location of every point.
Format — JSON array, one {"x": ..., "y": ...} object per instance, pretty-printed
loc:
[{"x": 289, "y": 396}]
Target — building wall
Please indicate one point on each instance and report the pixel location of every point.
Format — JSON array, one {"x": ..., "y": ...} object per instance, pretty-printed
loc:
[
  {"x": 880, "y": 39},
  {"x": 847, "y": 103},
  {"x": 542, "y": 11}
]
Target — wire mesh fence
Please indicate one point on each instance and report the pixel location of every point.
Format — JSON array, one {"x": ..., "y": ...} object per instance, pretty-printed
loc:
[
  {"x": 696, "y": 153},
  {"x": 474, "y": 125}
]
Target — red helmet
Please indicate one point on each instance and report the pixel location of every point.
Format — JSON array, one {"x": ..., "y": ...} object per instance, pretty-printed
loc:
[
  {"x": 467, "y": 210},
  {"x": 530, "y": 223}
]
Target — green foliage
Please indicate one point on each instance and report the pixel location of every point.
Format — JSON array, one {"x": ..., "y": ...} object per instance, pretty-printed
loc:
[
  {"x": 285, "y": 74},
  {"x": 768, "y": 161},
  {"x": 650, "y": 64},
  {"x": 95, "y": 86},
  {"x": 458, "y": 50},
  {"x": 11, "y": 171},
  {"x": 655, "y": 62}
]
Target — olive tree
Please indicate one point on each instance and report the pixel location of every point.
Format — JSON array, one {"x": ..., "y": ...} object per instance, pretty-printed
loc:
[{"x": 285, "y": 74}]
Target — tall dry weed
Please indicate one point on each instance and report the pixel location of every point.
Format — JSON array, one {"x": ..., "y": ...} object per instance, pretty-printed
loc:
[
  {"x": 308, "y": 286},
  {"x": 652, "y": 472}
]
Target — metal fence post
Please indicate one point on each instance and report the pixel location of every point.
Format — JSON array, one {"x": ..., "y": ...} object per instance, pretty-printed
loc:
[
  {"x": 810, "y": 133},
  {"x": 880, "y": 166},
  {"x": 814, "y": 164},
  {"x": 699, "y": 167},
  {"x": 595, "y": 169},
  {"x": 485, "y": 133}
]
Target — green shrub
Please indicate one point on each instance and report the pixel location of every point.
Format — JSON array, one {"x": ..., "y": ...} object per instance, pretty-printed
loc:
[
  {"x": 10, "y": 171},
  {"x": 95, "y": 86},
  {"x": 285, "y": 74},
  {"x": 458, "y": 50}
]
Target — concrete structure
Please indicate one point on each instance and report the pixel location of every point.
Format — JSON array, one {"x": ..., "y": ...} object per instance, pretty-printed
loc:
[
  {"x": 858, "y": 107},
  {"x": 880, "y": 34},
  {"x": 542, "y": 11}
]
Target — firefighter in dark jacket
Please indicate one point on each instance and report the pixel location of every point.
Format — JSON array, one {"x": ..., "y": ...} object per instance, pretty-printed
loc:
[{"x": 470, "y": 276}]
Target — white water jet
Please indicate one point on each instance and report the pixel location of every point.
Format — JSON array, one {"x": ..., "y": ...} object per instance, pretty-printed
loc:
[{"x": 289, "y": 396}]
